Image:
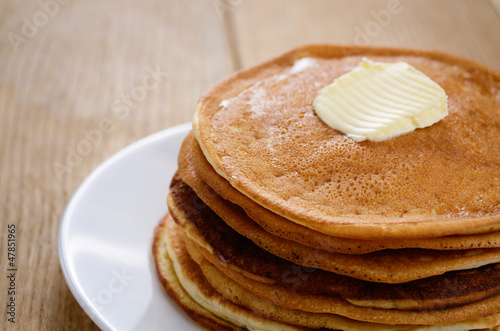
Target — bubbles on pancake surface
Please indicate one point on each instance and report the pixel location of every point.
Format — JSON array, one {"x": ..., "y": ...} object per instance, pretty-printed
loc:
[{"x": 285, "y": 150}]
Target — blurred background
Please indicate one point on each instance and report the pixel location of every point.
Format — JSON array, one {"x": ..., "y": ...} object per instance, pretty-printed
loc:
[{"x": 81, "y": 79}]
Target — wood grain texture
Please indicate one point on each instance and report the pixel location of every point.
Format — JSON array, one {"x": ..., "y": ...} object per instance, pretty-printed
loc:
[
  {"x": 468, "y": 28},
  {"x": 58, "y": 91},
  {"x": 65, "y": 82}
]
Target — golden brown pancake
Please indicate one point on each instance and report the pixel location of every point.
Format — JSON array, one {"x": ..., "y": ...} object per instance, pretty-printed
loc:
[
  {"x": 258, "y": 130},
  {"x": 239, "y": 254},
  {"x": 388, "y": 266},
  {"x": 282, "y": 297},
  {"x": 237, "y": 291},
  {"x": 179, "y": 272},
  {"x": 439, "y": 292},
  {"x": 192, "y": 163}
]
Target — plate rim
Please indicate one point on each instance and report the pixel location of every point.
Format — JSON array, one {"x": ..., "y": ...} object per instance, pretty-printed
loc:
[{"x": 66, "y": 217}]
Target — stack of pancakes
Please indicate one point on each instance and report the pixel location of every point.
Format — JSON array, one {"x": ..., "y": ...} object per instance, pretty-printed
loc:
[{"x": 279, "y": 222}]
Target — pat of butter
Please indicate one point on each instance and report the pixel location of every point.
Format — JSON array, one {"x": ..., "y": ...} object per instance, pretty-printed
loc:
[{"x": 377, "y": 101}]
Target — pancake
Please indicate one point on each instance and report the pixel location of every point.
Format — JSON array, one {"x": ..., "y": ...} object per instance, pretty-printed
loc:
[
  {"x": 282, "y": 297},
  {"x": 243, "y": 256},
  {"x": 192, "y": 163},
  {"x": 179, "y": 272},
  {"x": 388, "y": 266},
  {"x": 439, "y": 292},
  {"x": 258, "y": 130}
]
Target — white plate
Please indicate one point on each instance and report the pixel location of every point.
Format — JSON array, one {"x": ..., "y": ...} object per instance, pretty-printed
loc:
[{"x": 106, "y": 233}]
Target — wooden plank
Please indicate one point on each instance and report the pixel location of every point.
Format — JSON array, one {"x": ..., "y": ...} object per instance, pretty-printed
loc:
[
  {"x": 59, "y": 85},
  {"x": 61, "y": 79},
  {"x": 468, "y": 28},
  {"x": 496, "y": 4}
]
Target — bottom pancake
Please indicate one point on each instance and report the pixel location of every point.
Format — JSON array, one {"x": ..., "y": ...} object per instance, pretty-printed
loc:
[{"x": 186, "y": 282}]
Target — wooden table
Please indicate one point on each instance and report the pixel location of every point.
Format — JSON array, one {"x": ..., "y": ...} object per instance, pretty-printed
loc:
[{"x": 67, "y": 65}]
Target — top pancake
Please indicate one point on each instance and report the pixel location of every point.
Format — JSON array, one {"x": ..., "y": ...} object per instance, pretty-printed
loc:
[{"x": 259, "y": 131}]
